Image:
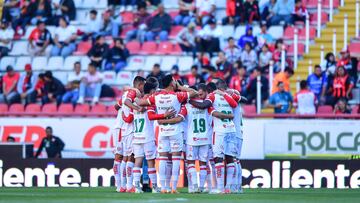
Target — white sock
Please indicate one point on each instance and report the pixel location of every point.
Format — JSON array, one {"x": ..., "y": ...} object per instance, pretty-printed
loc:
[
  {"x": 175, "y": 171},
  {"x": 239, "y": 172},
  {"x": 192, "y": 174},
  {"x": 162, "y": 171},
  {"x": 213, "y": 174},
  {"x": 116, "y": 169},
  {"x": 209, "y": 177},
  {"x": 220, "y": 170},
  {"x": 152, "y": 176},
  {"x": 123, "y": 174},
  {"x": 236, "y": 181},
  {"x": 203, "y": 175},
  {"x": 188, "y": 176},
  {"x": 137, "y": 176},
  {"x": 230, "y": 173},
  {"x": 129, "y": 174},
  {"x": 169, "y": 165}
]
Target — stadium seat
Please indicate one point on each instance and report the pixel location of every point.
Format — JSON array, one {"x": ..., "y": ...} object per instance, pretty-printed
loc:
[
  {"x": 16, "y": 109},
  {"x": 301, "y": 49},
  {"x": 81, "y": 17},
  {"x": 85, "y": 61},
  {"x": 6, "y": 61},
  {"x": 124, "y": 78},
  {"x": 69, "y": 62},
  {"x": 39, "y": 63},
  {"x": 82, "y": 48},
  {"x": 185, "y": 63},
  {"x": 327, "y": 109},
  {"x": 326, "y": 4},
  {"x": 148, "y": 48},
  {"x": 312, "y": 33},
  {"x": 228, "y": 31},
  {"x": 127, "y": 17},
  {"x": 354, "y": 49},
  {"x": 239, "y": 31},
  {"x": 165, "y": 48},
  {"x": 29, "y": 29},
  {"x": 167, "y": 62},
  {"x": 19, "y": 48},
  {"x": 276, "y": 31},
  {"x": 150, "y": 61},
  {"x": 173, "y": 13},
  {"x": 3, "y": 109},
  {"x": 175, "y": 31},
  {"x": 102, "y": 4},
  {"x": 170, "y": 4},
  {"x": 89, "y": 4},
  {"x": 176, "y": 50},
  {"x": 21, "y": 62},
  {"x": 324, "y": 18},
  {"x": 49, "y": 109},
  {"x": 55, "y": 63},
  {"x": 135, "y": 63},
  {"x": 61, "y": 75},
  {"x": 220, "y": 13},
  {"x": 110, "y": 110},
  {"x": 98, "y": 109},
  {"x": 78, "y": 3},
  {"x": 109, "y": 77},
  {"x": 133, "y": 47},
  {"x": 65, "y": 109},
  {"x": 355, "y": 110},
  {"x": 249, "y": 109},
  {"x": 311, "y": 4},
  {"x": 33, "y": 109},
  {"x": 125, "y": 29},
  {"x": 82, "y": 109},
  {"x": 289, "y": 33}
]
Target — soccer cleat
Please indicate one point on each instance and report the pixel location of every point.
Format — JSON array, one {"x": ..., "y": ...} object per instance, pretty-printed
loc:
[
  {"x": 156, "y": 190},
  {"x": 216, "y": 191},
  {"x": 131, "y": 190},
  {"x": 227, "y": 191},
  {"x": 174, "y": 192},
  {"x": 122, "y": 190},
  {"x": 164, "y": 191},
  {"x": 203, "y": 190},
  {"x": 196, "y": 189},
  {"x": 138, "y": 190}
]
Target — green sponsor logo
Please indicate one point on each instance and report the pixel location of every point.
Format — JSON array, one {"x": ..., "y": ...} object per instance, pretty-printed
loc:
[{"x": 317, "y": 141}]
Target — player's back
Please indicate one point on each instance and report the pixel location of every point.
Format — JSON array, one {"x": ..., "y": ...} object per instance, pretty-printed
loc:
[
  {"x": 221, "y": 105},
  {"x": 143, "y": 126},
  {"x": 127, "y": 127}
]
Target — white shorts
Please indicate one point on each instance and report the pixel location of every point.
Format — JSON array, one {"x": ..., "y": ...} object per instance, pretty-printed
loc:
[
  {"x": 118, "y": 149},
  {"x": 148, "y": 149},
  {"x": 239, "y": 142},
  {"x": 173, "y": 143},
  {"x": 200, "y": 153},
  {"x": 127, "y": 142},
  {"x": 224, "y": 144}
]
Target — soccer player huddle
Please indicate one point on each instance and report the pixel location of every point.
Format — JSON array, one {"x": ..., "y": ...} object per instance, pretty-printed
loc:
[{"x": 202, "y": 123}]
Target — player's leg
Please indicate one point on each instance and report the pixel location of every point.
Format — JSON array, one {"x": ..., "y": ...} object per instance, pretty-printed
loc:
[
  {"x": 203, "y": 153},
  {"x": 211, "y": 172},
  {"x": 130, "y": 163},
  {"x": 123, "y": 174},
  {"x": 118, "y": 159},
  {"x": 239, "y": 171},
  {"x": 176, "y": 147},
  {"x": 150, "y": 154},
  {"x": 219, "y": 162},
  {"x": 163, "y": 149},
  {"x": 139, "y": 156},
  {"x": 191, "y": 170},
  {"x": 168, "y": 173},
  {"x": 230, "y": 148}
]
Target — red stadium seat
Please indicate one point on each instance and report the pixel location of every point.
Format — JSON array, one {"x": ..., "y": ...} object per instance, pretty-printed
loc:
[
  {"x": 173, "y": 13},
  {"x": 354, "y": 49},
  {"x": 176, "y": 50},
  {"x": 16, "y": 109},
  {"x": 326, "y": 3},
  {"x": 355, "y": 110},
  {"x": 324, "y": 18},
  {"x": 82, "y": 109},
  {"x": 98, "y": 109},
  {"x": 82, "y": 48},
  {"x": 133, "y": 47},
  {"x": 149, "y": 48},
  {"x": 311, "y": 4},
  {"x": 289, "y": 33},
  {"x": 3, "y": 108},
  {"x": 66, "y": 109},
  {"x": 312, "y": 33},
  {"x": 165, "y": 48},
  {"x": 111, "y": 110},
  {"x": 126, "y": 29},
  {"x": 301, "y": 49},
  {"x": 249, "y": 109},
  {"x": 49, "y": 109},
  {"x": 327, "y": 109},
  {"x": 33, "y": 109},
  {"x": 127, "y": 17},
  {"x": 175, "y": 30}
]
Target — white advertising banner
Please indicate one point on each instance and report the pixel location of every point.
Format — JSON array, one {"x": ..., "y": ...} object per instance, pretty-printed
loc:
[
  {"x": 84, "y": 135},
  {"x": 316, "y": 137}
]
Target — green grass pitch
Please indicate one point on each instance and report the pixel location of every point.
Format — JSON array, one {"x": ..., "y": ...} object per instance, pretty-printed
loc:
[{"x": 108, "y": 195}]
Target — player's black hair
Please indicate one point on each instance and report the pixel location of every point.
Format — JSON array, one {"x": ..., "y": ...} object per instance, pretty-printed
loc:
[
  {"x": 289, "y": 70},
  {"x": 137, "y": 80},
  {"x": 49, "y": 128},
  {"x": 230, "y": 38},
  {"x": 202, "y": 87},
  {"x": 166, "y": 81},
  {"x": 194, "y": 67},
  {"x": 92, "y": 64},
  {"x": 94, "y": 12},
  {"x": 221, "y": 84},
  {"x": 153, "y": 81},
  {"x": 317, "y": 66},
  {"x": 148, "y": 87},
  {"x": 210, "y": 87},
  {"x": 303, "y": 84},
  {"x": 48, "y": 74},
  {"x": 194, "y": 87}
]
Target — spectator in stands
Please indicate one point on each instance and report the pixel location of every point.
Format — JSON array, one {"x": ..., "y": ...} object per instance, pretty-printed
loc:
[
  {"x": 251, "y": 8},
  {"x": 239, "y": 81},
  {"x": 268, "y": 11},
  {"x": 282, "y": 12},
  {"x": 186, "y": 39},
  {"x": 108, "y": 26},
  {"x": 127, "y": 5},
  {"x": 248, "y": 58},
  {"x": 157, "y": 73},
  {"x": 64, "y": 8},
  {"x": 40, "y": 40},
  {"x": 117, "y": 56},
  {"x": 26, "y": 86},
  {"x": 92, "y": 26},
  {"x": 39, "y": 86},
  {"x": 340, "y": 87},
  {"x": 202, "y": 59},
  {"x": 141, "y": 20},
  {"x": 11, "y": 10},
  {"x": 329, "y": 64},
  {"x": 342, "y": 107},
  {"x": 72, "y": 88},
  {"x": 53, "y": 89},
  {"x": 175, "y": 73},
  {"x": 10, "y": 80},
  {"x": 193, "y": 77},
  {"x": 90, "y": 85},
  {"x": 224, "y": 66},
  {"x": 185, "y": 9},
  {"x": 263, "y": 37},
  {"x": 265, "y": 57},
  {"x": 6, "y": 36},
  {"x": 98, "y": 51},
  {"x": 212, "y": 74},
  {"x": 159, "y": 25},
  {"x": 281, "y": 100},
  {"x": 205, "y": 10},
  {"x": 152, "y": 2},
  {"x": 232, "y": 51},
  {"x": 247, "y": 37},
  {"x": 40, "y": 10},
  {"x": 64, "y": 41},
  {"x": 209, "y": 38},
  {"x": 283, "y": 77},
  {"x": 53, "y": 145},
  {"x": 251, "y": 89},
  {"x": 10, "y": 139},
  {"x": 277, "y": 54},
  {"x": 300, "y": 12},
  {"x": 305, "y": 100},
  {"x": 234, "y": 12},
  {"x": 317, "y": 83},
  {"x": 345, "y": 61},
  {"x": 117, "y": 20}
]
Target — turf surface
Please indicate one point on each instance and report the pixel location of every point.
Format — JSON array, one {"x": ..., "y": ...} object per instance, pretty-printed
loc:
[{"x": 107, "y": 195}]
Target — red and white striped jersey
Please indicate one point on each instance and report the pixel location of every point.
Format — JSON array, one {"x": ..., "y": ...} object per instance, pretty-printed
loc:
[
  {"x": 143, "y": 126},
  {"x": 127, "y": 126}
]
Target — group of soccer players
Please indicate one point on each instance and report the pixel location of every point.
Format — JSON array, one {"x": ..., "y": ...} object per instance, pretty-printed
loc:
[{"x": 201, "y": 123}]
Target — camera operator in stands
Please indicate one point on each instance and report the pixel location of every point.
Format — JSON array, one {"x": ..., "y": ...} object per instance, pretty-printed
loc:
[{"x": 53, "y": 145}]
